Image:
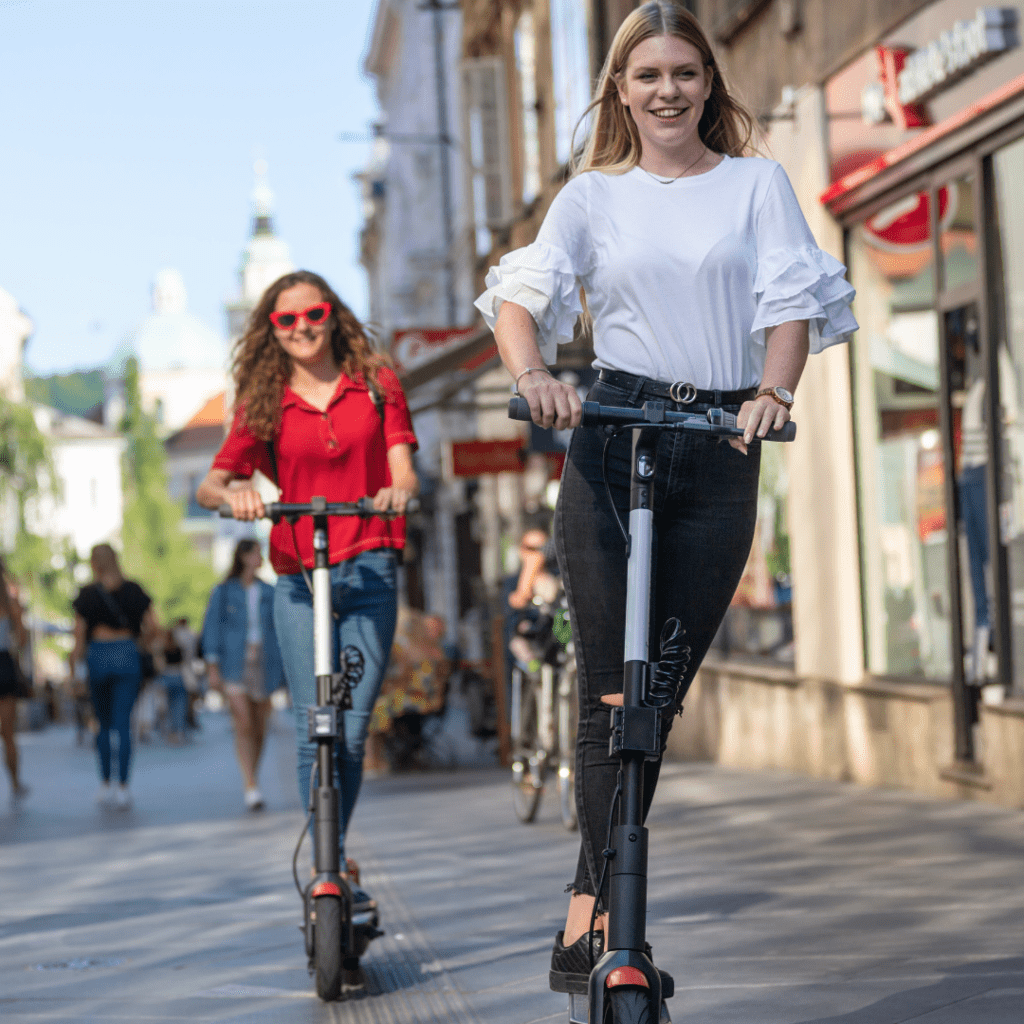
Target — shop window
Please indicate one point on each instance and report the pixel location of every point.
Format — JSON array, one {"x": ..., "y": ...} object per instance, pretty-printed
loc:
[
  {"x": 759, "y": 623},
  {"x": 958, "y": 233},
  {"x": 1007, "y": 274},
  {"x": 901, "y": 462}
]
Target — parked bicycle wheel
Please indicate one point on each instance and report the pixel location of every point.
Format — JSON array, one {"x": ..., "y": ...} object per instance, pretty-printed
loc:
[{"x": 527, "y": 758}]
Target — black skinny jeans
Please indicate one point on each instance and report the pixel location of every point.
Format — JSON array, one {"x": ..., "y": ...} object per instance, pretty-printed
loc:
[{"x": 705, "y": 507}]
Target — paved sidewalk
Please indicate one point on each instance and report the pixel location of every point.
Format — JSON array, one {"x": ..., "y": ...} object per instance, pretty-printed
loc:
[{"x": 774, "y": 900}]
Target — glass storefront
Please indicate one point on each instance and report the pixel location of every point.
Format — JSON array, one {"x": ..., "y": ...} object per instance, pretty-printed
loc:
[
  {"x": 927, "y": 294},
  {"x": 1007, "y": 327},
  {"x": 902, "y": 464}
]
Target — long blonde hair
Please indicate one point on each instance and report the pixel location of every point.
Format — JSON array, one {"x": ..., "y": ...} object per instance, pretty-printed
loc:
[{"x": 613, "y": 143}]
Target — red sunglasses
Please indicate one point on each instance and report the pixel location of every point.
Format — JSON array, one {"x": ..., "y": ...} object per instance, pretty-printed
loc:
[{"x": 286, "y": 319}]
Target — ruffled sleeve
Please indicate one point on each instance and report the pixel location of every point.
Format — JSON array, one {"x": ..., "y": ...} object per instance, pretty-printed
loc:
[
  {"x": 804, "y": 283},
  {"x": 545, "y": 276},
  {"x": 539, "y": 277},
  {"x": 795, "y": 280}
]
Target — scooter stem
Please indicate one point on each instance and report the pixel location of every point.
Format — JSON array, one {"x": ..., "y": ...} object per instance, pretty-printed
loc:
[{"x": 325, "y": 796}]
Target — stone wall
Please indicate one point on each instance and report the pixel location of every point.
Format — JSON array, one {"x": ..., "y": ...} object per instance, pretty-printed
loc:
[{"x": 872, "y": 733}]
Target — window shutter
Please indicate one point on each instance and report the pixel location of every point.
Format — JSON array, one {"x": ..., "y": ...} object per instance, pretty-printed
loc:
[{"x": 486, "y": 142}]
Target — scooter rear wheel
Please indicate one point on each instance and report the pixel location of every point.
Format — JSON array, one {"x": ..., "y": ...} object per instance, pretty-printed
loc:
[
  {"x": 627, "y": 1006},
  {"x": 327, "y": 947}
]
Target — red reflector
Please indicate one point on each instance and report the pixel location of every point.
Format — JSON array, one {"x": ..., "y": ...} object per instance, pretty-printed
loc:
[
  {"x": 326, "y": 889},
  {"x": 627, "y": 976}
]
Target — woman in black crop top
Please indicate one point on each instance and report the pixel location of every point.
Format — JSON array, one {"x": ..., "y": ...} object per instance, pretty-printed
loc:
[{"x": 112, "y": 616}]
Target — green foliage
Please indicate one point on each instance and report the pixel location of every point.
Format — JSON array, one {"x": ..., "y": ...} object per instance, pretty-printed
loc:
[
  {"x": 157, "y": 552},
  {"x": 24, "y": 455},
  {"x": 74, "y": 393},
  {"x": 42, "y": 566}
]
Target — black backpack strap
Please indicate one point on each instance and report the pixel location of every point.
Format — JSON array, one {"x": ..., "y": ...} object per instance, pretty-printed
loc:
[
  {"x": 272, "y": 455},
  {"x": 378, "y": 398}
]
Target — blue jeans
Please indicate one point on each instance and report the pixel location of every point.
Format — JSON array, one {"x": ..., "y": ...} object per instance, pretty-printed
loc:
[
  {"x": 365, "y": 608},
  {"x": 973, "y": 510},
  {"x": 177, "y": 701},
  {"x": 114, "y": 680}
]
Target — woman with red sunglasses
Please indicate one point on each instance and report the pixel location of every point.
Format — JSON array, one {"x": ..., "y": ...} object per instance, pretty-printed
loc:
[{"x": 321, "y": 413}]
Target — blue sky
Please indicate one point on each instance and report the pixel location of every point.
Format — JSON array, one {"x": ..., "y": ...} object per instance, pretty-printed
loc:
[{"x": 129, "y": 130}]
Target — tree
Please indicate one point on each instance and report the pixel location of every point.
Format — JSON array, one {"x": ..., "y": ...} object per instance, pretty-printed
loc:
[{"x": 157, "y": 552}]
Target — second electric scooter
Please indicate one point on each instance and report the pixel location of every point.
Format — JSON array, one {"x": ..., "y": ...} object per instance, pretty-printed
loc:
[{"x": 336, "y": 934}]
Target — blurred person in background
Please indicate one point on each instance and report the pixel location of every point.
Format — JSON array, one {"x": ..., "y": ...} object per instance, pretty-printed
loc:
[
  {"x": 193, "y": 669},
  {"x": 113, "y": 616},
  {"x": 243, "y": 660},
  {"x": 320, "y": 413},
  {"x": 12, "y": 639},
  {"x": 172, "y": 666}
]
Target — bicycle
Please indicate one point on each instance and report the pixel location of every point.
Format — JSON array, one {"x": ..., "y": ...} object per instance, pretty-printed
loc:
[
  {"x": 542, "y": 717},
  {"x": 624, "y": 986},
  {"x": 335, "y": 936}
]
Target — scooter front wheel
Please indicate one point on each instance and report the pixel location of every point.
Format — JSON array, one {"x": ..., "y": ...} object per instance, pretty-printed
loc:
[
  {"x": 327, "y": 947},
  {"x": 628, "y": 1006}
]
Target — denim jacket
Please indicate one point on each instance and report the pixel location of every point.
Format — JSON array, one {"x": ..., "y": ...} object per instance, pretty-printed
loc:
[{"x": 227, "y": 626}]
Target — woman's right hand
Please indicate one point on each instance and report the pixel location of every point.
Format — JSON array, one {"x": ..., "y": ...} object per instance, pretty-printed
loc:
[
  {"x": 245, "y": 502},
  {"x": 552, "y": 402}
]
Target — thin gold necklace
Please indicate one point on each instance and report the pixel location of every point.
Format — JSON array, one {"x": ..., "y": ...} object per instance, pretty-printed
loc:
[{"x": 668, "y": 181}]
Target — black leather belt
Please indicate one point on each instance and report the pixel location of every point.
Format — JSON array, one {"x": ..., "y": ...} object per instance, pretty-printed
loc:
[{"x": 682, "y": 394}]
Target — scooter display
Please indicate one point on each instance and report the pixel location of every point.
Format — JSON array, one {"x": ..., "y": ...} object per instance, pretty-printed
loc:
[
  {"x": 337, "y": 933},
  {"x": 624, "y": 986}
]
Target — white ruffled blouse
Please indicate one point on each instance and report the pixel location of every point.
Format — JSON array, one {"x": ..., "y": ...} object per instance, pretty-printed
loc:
[{"x": 682, "y": 278}]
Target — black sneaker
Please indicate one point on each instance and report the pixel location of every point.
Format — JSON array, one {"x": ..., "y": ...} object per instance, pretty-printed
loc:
[{"x": 571, "y": 966}]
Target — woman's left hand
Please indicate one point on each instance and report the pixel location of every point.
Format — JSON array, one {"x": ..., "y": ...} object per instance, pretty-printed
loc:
[
  {"x": 396, "y": 497},
  {"x": 757, "y": 418}
]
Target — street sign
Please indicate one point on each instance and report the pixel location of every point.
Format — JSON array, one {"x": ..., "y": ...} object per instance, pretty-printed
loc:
[{"x": 476, "y": 458}]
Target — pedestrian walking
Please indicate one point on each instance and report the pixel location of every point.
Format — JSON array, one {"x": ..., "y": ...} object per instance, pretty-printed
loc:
[
  {"x": 704, "y": 284},
  {"x": 322, "y": 414},
  {"x": 113, "y": 616},
  {"x": 13, "y": 639},
  {"x": 171, "y": 660},
  {"x": 243, "y": 660}
]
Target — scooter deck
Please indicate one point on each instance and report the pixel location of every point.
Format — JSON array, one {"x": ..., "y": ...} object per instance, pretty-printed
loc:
[{"x": 579, "y": 1010}]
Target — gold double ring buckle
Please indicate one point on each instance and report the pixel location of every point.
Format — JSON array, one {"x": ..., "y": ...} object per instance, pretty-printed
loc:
[{"x": 682, "y": 393}]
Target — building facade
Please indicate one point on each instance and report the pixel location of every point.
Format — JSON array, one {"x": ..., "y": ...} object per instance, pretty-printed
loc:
[{"x": 879, "y": 636}]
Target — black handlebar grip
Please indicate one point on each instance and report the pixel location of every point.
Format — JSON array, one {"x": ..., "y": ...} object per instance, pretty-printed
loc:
[
  {"x": 225, "y": 511},
  {"x": 787, "y": 433},
  {"x": 519, "y": 409}
]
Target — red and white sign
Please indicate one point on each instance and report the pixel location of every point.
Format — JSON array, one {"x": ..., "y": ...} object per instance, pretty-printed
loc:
[
  {"x": 883, "y": 97},
  {"x": 905, "y": 226},
  {"x": 416, "y": 347}
]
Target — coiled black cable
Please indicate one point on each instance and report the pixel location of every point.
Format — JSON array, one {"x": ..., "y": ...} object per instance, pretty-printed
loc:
[{"x": 668, "y": 672}]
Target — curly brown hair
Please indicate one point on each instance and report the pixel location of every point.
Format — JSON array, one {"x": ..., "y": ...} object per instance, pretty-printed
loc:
[{"x": 261, "y": 368}]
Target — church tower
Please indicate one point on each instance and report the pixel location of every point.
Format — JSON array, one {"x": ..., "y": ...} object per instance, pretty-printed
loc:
[{"x": 264, "y": 259}]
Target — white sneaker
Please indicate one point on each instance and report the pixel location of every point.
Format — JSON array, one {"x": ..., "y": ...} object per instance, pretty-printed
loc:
[
  {"x": 254, "y": 799},
  {"x": 105, "y": 795},
  {"x": 122, "y": 798}
]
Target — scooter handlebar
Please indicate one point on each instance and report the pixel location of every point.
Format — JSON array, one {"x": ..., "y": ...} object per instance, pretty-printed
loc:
[
  {"x": 596, "y": 415},
  {"x": 363, "y": 507}
]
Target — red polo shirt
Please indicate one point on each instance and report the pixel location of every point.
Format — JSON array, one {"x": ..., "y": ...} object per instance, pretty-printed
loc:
[{"x": 340, "y": 453}]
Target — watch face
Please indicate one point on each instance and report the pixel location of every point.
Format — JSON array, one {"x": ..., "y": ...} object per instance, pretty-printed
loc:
[{"x": 784, "y": 394}]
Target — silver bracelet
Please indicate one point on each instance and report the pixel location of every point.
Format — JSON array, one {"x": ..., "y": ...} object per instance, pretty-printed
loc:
[{"x": 529, "y": 369}]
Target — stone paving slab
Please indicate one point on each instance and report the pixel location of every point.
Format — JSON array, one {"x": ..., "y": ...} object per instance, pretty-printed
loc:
[{"x": 773, "y": 899}]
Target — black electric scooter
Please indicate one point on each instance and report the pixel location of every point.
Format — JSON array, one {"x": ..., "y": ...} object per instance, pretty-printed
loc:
[
  {"x": 624, "y": 986},
  {"x": 336, "y": 936}
]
